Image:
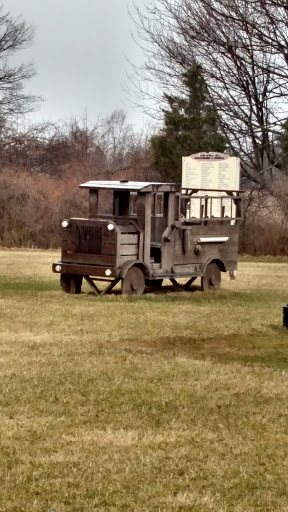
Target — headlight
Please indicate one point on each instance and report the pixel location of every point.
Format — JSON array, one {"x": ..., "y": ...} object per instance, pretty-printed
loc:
[
  {"x": 58, "y": 268},
  {"x": 110, "y": 227},
  {"x": 108, "y": 272},
  {"x": 65, "y": 223}
]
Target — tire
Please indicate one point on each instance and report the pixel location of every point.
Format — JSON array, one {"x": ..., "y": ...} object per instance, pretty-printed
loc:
[
  {"x": 71, "y": 283},
  {"x": 212, "y": 278},
  {"x": 134, "y": 282}
]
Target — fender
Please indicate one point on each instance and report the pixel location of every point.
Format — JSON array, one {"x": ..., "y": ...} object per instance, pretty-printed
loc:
[
  {"x": 214, "y": 260},
  {"x": 134, "y": 263}
]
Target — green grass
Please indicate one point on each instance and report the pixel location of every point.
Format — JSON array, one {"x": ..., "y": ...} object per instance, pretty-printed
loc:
[
  {"x": 173, "y": 401},
  {"x": 263, "y": 259}
]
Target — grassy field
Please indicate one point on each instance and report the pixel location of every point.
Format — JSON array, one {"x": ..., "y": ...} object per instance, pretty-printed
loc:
[{"x": 173, "y": 401}]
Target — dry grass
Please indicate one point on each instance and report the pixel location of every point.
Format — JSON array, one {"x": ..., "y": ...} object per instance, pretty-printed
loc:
[{"x": 174, "y": 401}]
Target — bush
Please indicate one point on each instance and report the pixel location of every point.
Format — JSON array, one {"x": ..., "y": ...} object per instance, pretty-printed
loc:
[{"x": 264, "y": 230}]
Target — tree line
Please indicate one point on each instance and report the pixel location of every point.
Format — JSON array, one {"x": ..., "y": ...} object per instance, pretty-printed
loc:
[
  {"x": 217, "y": 69},
  {"x": 42, "y": 167}
]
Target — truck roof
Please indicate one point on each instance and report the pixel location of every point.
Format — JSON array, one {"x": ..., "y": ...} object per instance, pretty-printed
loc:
[{"x": 134, "y": 186}]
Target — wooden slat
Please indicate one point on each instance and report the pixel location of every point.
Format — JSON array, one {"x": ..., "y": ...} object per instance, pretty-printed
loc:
[
  {"x": 186, "y": 268},
  {"x": 129, "y": 239},
  {"x": 109, "y": 237},
  {"x": 128, "y": 249},
  {"x": 85, "y": 270},
  {"x": 126, "y": 228},
  {"x": 108, "y": 249},
  {"x": 69, "y": 245},
  {"x": 123, "y": 259},
  {"x": 147, "y": 228},
  {"x": 93, "y": 259}
]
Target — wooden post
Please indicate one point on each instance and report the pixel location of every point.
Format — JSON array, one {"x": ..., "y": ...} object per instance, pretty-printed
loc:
[
  {"x": 144, "y": 205},
  {"x": 93, "y": 203},
  {"x": 171, "y": 208},
  {"x": 147, "y": 228},
  {"x": 168, "y": 246}
]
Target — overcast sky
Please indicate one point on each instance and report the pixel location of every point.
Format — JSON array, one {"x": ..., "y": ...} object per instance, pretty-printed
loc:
[{"x": 79, "y": 51}]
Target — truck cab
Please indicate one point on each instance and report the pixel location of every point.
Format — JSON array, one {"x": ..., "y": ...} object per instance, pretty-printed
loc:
[{"x": 139, "y": 233}]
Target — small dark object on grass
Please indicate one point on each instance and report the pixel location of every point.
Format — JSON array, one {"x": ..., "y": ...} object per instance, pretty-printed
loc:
[{"x": 285, "y": 315}]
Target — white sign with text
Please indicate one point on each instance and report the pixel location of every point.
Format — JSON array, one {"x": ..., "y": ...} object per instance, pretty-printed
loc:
[{"x": 210, "y": 171}]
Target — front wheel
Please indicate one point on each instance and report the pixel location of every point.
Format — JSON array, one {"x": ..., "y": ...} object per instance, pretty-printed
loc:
[
  {"x": 212, "y": 278},
  {"x": 134, "y": 282},
  {"x": 71, "y": 283}
]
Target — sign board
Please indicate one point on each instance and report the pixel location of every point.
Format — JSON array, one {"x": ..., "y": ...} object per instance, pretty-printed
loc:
[{"x": 210, "y": 171}]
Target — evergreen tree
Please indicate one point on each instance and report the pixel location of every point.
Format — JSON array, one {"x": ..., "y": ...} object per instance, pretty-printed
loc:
[{"x": 190, "y": 126}]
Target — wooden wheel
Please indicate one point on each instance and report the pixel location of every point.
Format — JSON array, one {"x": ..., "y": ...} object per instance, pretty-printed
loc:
[
  {"x": 71, "y": 283},
  {"x": 212, "y": 278},
  {"x": 134, "y": 282}
]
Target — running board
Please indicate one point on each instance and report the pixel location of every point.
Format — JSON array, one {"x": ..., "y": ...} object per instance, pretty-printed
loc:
[{"x": 177, "y": 274}]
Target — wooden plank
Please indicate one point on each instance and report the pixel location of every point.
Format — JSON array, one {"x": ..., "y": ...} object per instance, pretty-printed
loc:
[
  {"x": 126, "y": 228},
  {"x": 193, "y": 240},
  {"x": 171, "y": 209},
  {"x": 128, "y": 249},
  {"x": 124, "y": 259},
  {"x": 129, "y": 239},
  {"x": 110, "y": 286},
  {"x": 109, "y": 237},
  {"x": 141, "y": 246},
  {"x": 93, "y": 259},
  {"x": 84, "y": 270},
  {"x": 168, "y": 245},
  {"x": 186, "y": 268},
  {"x": 224, "y": 251},
  {"x": 108, "y": 249},
  {"x": 92, "y": 285},
  {"x": 69, "y": 245},
  {"x": 147, "y": 228},
  {"x": 140, "y": 206},
  {"x": 93, "y": 202}
]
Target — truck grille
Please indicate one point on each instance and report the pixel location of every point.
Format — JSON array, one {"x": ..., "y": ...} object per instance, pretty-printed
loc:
[{"x": 89, "y": 240}]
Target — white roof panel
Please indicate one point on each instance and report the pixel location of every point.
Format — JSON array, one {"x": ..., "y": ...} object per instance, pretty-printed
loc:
[{"x": 145, "y": 186}]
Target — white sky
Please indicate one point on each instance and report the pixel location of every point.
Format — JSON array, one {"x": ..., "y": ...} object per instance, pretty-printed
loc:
[{"x": 79, "y": 51}]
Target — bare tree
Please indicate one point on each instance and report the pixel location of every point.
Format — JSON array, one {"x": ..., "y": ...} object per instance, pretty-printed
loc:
[
  {"x": 242, "y": 47},
  {"x": 77, "y": 149},
  {"x": 15, "y": 35},
  {"x": 124, "y": 151}
]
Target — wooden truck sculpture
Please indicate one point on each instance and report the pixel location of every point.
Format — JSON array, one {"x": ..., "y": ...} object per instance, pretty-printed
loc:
[{"x": 140, "y": 233}]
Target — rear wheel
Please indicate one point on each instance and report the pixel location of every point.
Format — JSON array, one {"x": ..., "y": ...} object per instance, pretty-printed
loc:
[
  {"x": 212, "y": 278},
  {"x": 134, "y": 282},
  {"x": 71, "y": 283}
]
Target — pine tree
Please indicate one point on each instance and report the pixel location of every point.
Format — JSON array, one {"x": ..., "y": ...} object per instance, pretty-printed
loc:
[{"x": 190, "y": 126}]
